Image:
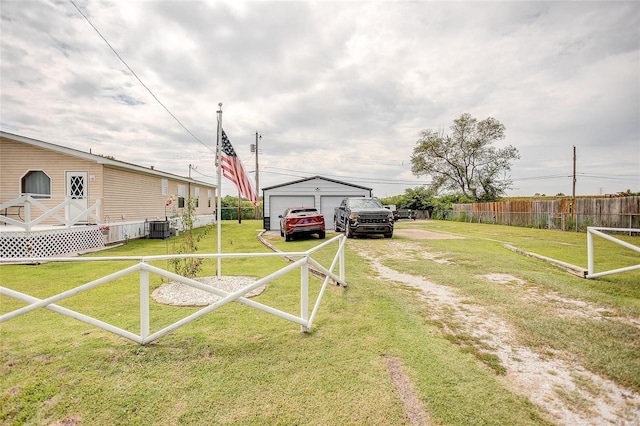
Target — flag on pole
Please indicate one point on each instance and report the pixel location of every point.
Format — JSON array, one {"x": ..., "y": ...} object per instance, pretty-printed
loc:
[{"x": 233, "y": 170}]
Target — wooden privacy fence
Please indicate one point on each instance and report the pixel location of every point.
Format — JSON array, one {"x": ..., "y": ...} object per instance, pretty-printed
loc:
[
  {"x": 304, "y": 262},
  {"x": 621, "y": 212}
]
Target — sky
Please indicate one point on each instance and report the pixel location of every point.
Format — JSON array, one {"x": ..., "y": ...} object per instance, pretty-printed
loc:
[{"x": 336, "y": 89}]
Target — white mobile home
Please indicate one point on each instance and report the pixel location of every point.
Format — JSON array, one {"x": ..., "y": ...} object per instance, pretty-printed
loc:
[{"x": 48, "y": 185}]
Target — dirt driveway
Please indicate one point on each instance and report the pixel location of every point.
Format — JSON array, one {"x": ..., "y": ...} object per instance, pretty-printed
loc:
[
  {"x": 421, "y": 234},
  {"x": 542, "y": 378}
]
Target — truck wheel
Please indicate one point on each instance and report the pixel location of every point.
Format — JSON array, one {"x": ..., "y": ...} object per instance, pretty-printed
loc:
[
  {"x": 321, "y": 235},
  {"x": 287, "y": 237},
  {"x": 389, "y": 235},
  {"x": 335, "y": 225}
]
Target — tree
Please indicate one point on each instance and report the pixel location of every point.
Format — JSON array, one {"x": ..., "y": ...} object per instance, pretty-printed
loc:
[
  {"x": 188, "y": 266},
  {"x": 418, "y": 198},
  {"x": 465, "y": 161},
  {"x": 397, "y": 200}
]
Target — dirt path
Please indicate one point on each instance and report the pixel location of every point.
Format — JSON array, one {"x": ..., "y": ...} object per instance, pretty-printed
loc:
[{"x": 571, "y": 394}]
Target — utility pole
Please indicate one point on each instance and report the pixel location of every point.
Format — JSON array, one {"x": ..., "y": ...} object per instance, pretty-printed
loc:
[
  {"x": 257, "y": 215},
  {"x": 573, "y": 192}
]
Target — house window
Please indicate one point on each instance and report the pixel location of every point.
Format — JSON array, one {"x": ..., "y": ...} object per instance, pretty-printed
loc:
[
  {"x": 209, "y": 198},
  {"x": 197, "y": 196},
  {"x": 36, "y": 183},
  {"x": 165, "y": 186},
  {"x": 181, "y": 192}
]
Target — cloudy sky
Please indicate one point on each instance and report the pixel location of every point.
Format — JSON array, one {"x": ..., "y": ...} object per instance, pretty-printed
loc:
[{"x": 337, "y": 89}]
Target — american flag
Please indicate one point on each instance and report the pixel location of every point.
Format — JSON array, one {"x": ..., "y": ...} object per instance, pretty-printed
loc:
[{"x": 233, "y": 170}]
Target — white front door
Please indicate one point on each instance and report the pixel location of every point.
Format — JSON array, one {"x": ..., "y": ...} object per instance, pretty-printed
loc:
[{"x": 77, "y": 188}]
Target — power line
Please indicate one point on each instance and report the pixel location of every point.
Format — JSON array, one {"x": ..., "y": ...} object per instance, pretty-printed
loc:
[
  {"x": 559, "y": 176},
  {"x": 138, "y": 78},
  {"x": 607, "y": 177},
  {"x": 301, "y": 174},
  {"x": 564, "y": 176},
  {"x": 202, "y": 174}
]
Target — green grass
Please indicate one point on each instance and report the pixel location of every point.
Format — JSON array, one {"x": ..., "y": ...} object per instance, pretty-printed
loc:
[
  {"x": 242, "y": 366},
  {"x": 611, "y": 348}
]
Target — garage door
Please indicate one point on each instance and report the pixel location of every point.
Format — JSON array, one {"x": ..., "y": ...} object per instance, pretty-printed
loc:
[
  {"x": 279, "y": 203},
  {"x": 327, "y": 207}
]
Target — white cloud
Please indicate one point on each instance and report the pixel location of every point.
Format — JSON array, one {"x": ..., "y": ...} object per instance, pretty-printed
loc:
[{"x": 335, "y": 89}]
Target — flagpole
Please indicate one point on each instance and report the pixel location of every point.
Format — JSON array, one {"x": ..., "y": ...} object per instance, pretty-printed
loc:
[{"x": 219, "y": 202}]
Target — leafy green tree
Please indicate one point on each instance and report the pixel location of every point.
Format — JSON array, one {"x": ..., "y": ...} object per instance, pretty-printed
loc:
[
  {"x": 464, "y": 161},
  {"x": 418, "y": 198},
  {"x": 229, "y": 201},
  {"x": 229, "y": 205},
  {"x": 397, "y": 200}
]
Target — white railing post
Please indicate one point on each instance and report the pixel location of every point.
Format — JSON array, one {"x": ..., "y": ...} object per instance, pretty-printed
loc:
[
  {"x": 341, "y": 263},
  {"x": 304, "y": 295},
  {"x": 27, "y": 213},
  {"x": 144, "y": 304},
  {"x": 590, "y": 262}
]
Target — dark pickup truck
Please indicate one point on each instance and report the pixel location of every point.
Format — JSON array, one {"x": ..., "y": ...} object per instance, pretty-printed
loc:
[{"x": 362, "y": 216}]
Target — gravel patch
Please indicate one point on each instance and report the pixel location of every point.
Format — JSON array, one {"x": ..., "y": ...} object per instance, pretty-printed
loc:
[{"x": 180, "y": 294}]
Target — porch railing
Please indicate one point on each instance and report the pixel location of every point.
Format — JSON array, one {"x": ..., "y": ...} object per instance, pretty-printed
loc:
[
  {"x": 26, "y": 207},
  {"x": 304, "y": 262}
]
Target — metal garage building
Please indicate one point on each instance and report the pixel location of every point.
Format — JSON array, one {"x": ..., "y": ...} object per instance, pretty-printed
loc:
[{"x": 319, "y": 192}]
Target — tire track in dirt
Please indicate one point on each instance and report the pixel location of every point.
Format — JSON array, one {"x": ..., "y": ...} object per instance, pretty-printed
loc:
[{"x": 542, "y": 379}]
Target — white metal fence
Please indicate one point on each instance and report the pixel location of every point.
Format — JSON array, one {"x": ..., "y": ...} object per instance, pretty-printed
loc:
[
  {"x": 304, "y": 262},
  {"x": 597, "y": 231}
]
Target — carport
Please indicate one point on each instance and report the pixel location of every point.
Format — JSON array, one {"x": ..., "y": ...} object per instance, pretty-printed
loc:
[{"x": 320, "y": 192}]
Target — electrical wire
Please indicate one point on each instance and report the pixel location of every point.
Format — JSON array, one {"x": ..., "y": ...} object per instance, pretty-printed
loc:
[
  {"x": 138, "y": 78},
  {"x": 202, "y": 174},
  {"x": 301, "y": 174}
]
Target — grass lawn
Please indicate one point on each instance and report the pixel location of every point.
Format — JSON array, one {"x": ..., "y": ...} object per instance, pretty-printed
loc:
[{"x": 238, "y": 365}]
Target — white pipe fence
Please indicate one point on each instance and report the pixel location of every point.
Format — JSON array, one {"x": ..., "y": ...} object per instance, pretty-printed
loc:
[
  {"x": 143, "y": 268},
  {"x": 591, "y": 231}
]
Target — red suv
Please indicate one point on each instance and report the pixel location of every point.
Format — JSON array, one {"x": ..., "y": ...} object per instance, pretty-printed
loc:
[{"x": 301, "y": 221}]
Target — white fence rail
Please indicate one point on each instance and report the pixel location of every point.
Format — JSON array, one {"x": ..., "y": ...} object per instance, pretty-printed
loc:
[
  {"x": 591, "y": 231},
  {"x": 305, "y": 261}
]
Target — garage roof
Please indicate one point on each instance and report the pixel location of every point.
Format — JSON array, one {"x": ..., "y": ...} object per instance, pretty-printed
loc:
[{"x": 316, "y": 177}]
